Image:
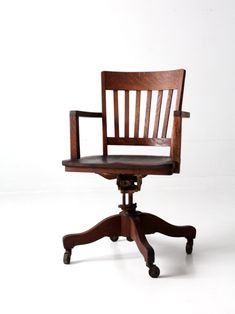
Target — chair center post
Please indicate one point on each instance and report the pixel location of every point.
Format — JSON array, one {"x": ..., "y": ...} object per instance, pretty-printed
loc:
[{"x": 127, "y": 185}]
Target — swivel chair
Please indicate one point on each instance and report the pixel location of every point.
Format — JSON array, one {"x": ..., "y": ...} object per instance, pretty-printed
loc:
[{"x": 167, "y": 87}]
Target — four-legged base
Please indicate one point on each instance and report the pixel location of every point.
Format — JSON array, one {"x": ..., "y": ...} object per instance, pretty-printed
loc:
[{"x": 133, "y": 225}]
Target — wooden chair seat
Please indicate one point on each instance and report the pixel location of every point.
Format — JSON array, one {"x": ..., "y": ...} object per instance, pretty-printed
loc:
[{"x": 125, "y": 164}]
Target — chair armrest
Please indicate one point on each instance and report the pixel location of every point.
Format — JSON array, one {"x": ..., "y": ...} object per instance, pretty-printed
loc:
[
  {"x": 74, "y": 130},
  {"x": 86, "y": 114},
  {"x": 182, "y": 114},
  {"x": 176, "y": 137}
]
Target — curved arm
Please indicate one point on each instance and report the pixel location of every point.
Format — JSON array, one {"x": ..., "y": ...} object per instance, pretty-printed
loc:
[
  {"x": 74, "y": 130},
  {"x": 86, "y": 114}
]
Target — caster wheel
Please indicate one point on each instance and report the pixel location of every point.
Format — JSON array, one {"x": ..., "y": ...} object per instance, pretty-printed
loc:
[
  {"x": 114, "y": 238},
  {"x": 67, "y": 256},
  {"x": 154, "y": 271},
  {"x": 129, "y": 239},
  {"x": 189, "y": 247}
]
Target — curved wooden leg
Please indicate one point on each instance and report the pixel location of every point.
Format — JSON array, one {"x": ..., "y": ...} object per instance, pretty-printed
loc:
[
  {"x": 152, "y": 224},
  {"x": 138, "y": 236},
  {"x": 110, "y": 226}
]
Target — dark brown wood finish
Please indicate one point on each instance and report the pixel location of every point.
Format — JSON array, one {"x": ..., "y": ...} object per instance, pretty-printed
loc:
[
  {"x": 167, "y": 113},
  {"x": 139, "y": 141},
  {"x": 116, "y": 113},
  {"x": 134, "y": 226},
  {"x": 182, "y": 114},
  {"x": 130, "y": 169},
  {"x": 74, "y": 136},
  {"x": 170, "y": 81},
  {"x": 158, "y": 113},
  {"x": 127, "y": 114},
  {"x": 137, "y": 114},
  {"x": 74, "y": 130},
  {"x": 143, "y": 80},
  {"x": 175, "y": 151},
  {"x": 125, "y": 164},
  {"x": 147, "y": 114},
  {"x": 104, "y": 115}
]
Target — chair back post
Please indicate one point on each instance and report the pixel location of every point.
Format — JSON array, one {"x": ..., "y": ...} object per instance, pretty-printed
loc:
[
  {"x": 176, "y": 137},
  {"x": 175, "y": 151},
  {"x": 104, "y": 114}
]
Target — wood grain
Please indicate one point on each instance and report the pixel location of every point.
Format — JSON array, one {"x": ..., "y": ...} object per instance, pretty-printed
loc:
[
  {"x": 167, "y": 113},
  {"x": 147, "y": 113},
  {"x": 130, "y": 169},
  {"x": 74, "y": 135},
  {"x": 104, "y": 115},
  {"x": 157, "y": 114},
  {"x": 126, "y": 113},
  {"x": 143, "y": 80},
  {"x": 139, "y": 141},
  {"x": 137, "y": 114},
  {"x": 116, "y": 113}
]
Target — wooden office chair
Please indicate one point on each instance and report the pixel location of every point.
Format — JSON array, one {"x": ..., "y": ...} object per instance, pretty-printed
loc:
[{"x": 167, "y": 87}]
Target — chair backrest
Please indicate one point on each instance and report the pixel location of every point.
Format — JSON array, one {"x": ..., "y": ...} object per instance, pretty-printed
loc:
[{"x": 164, "y": 87}]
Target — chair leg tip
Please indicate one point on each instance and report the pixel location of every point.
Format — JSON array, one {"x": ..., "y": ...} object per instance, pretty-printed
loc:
[
  {"x": 189, "y": 247},
  {"x": 67, "y": 257},
  {"x": 154, "y": 271},
  {"x": 114, "y": 238}
]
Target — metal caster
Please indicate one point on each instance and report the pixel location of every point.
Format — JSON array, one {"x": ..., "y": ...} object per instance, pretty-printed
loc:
[
  {"x": 189, "y": 246},
  {"x": 67, "y": 257},
  {"x": 129, "y": 239},
  {"x": 114, "y": 238},
  {"x": 154, "y": 271}
]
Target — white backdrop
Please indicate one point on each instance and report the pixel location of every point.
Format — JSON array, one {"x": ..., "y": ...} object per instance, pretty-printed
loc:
[
  {"x": 52, "y": 53},
  {"x": 51, "y": 56}
]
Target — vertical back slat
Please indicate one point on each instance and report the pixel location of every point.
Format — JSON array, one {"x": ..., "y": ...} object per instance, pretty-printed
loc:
[
  {"x": 137, "y": 114},
  {"x": 147, "y": 114},
  {"x": 157, "y": 114},
  {"x": 116, "y": 115},
  {"x": 167, "y": 113},
  {"x": 127, "y": 113}
]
